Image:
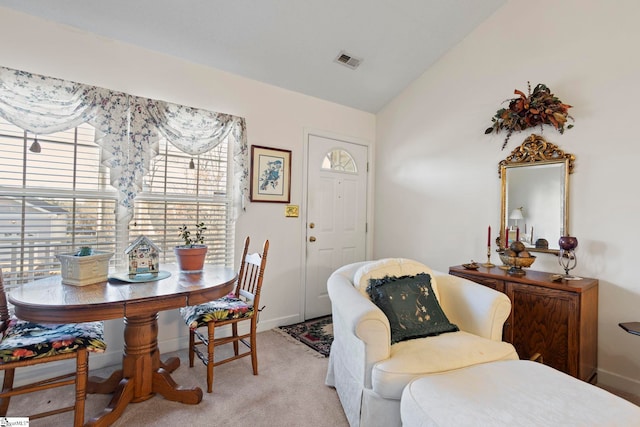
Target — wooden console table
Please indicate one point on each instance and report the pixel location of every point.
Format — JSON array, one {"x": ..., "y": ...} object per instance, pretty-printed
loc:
[{"x": 559, "y": 320}]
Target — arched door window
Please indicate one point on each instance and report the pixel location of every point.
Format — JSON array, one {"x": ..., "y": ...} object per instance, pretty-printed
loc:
[{"x": 339, "y": 160}]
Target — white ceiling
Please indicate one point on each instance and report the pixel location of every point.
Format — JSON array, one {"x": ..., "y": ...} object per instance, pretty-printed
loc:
[{"x": 287, "y": 43}]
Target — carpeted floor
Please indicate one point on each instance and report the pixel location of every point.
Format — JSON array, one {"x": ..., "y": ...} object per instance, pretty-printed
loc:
[
  {"x": 316, "y": 333},
  {"x": 289, "y": 391}
]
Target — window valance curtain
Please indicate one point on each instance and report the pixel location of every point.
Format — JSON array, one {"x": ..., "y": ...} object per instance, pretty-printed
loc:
[{"x": 128, "y": 127}]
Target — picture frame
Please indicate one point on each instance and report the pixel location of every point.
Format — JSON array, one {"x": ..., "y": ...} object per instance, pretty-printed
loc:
[{"x": 270, "y": 175}]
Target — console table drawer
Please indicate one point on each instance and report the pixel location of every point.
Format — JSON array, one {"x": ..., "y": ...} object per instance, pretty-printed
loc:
[{"x": 496, "y": 284}]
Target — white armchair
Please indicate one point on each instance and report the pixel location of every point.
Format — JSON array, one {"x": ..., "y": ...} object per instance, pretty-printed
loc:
[{"x": 369, "y": 373}]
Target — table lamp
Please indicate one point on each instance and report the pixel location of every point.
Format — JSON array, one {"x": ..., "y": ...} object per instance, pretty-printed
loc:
[{"x": 516, "y": 214}]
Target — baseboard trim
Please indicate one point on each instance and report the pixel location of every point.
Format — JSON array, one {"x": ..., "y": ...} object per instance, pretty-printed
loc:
[
  {"x": 619, "y": 382},
  {"x": 280, "y": 321}
]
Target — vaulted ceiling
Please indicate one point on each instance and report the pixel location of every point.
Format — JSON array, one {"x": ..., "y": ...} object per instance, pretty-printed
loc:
[{"x": 292, "y": 44}]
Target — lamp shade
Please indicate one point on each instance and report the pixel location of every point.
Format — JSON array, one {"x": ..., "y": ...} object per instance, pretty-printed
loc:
[{"x": 516, "y": 214}]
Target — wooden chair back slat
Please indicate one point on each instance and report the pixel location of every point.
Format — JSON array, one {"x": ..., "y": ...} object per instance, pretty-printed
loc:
[
  {"x": 241, "y": 273},
  {"x": 252, "y": 272}
]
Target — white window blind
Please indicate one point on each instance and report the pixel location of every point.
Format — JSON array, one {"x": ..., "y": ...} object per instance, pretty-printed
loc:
[
  {"x": 60, "y": 199},
  {"x": 175, "y": 194},
  {"x": 52, "y": 202}
]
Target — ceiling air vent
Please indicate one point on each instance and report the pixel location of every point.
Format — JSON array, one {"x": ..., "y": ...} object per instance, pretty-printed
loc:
[{"x": 348, "y": 60}]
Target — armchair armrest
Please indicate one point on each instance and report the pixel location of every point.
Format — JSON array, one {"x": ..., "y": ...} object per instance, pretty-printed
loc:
[
  {"x": 475, "y": 308},
  {"x": 362, "y": 335}
]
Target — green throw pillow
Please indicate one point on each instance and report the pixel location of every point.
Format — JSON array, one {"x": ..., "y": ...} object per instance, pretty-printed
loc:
[{"x": 410, "y": 305}]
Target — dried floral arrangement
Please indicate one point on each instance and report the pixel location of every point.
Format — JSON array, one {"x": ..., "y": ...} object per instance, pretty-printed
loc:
[{"x": 540, "y": 107}]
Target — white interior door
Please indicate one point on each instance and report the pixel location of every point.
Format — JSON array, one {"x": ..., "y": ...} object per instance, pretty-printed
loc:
[{"x": 336, "y": 214}]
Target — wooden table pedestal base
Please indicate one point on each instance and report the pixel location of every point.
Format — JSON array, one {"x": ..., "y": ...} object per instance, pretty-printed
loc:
[{"x": 143, "y": 374}]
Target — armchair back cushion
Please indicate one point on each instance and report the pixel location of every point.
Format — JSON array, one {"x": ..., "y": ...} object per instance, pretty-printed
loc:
[{"x": 397, "y": 267}]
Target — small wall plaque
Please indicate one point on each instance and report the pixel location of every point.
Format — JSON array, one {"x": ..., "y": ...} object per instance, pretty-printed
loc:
[{"x": 291, "y": 211}]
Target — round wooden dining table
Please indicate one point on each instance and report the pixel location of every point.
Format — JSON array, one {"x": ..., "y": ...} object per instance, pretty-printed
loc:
[{"x": 143, "y": 374}]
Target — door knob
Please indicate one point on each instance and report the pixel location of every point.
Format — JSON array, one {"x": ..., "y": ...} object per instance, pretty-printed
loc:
[{"x": 312, "y": 239}]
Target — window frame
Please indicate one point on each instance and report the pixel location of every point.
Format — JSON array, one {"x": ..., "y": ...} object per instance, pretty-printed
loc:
[{"x": 123, "y": 234}]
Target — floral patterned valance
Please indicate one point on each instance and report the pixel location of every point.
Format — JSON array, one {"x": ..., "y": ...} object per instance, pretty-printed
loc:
[{"x": 128, "y": 127}]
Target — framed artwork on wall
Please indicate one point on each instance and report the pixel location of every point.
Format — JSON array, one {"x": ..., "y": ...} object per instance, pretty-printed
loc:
[{"x": 270, "y": 175}]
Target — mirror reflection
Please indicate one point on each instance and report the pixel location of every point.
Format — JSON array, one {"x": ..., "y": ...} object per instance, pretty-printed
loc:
[{"x": 535, "y": 187}]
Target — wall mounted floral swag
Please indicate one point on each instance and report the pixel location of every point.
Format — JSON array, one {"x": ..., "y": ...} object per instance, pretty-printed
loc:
[{"x": 541, "y": 107}]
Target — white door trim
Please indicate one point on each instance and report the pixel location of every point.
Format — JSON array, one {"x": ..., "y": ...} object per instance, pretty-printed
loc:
[{"x": 303, "y": 208}]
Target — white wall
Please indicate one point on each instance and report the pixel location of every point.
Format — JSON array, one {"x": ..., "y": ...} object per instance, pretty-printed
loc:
[
  {"x": 275, "y": 117},
  {"x": 438, "y": 188}
]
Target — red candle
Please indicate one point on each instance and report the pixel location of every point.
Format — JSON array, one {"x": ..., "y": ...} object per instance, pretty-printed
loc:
[
  {"x": 489, "y": 236},
  {"x": 517, "y": 234}
]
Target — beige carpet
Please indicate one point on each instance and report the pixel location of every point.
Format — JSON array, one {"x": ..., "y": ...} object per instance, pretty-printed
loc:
[{"x": 289, "y": 391}]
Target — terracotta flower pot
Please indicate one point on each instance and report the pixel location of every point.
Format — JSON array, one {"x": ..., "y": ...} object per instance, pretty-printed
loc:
[{"x": 190, "y": 258}]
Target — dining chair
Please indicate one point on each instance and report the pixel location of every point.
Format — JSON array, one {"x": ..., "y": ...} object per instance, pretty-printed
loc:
[
  {"x": 242, "y": 305},
  {"x": 25, "y": 344}
]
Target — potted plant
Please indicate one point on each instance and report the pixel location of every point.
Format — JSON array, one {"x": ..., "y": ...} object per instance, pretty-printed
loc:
[{"x": 191, "y": 255}]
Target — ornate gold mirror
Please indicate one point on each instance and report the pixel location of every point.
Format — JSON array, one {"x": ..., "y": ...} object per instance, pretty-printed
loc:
[{"x": 535, "y": 195}]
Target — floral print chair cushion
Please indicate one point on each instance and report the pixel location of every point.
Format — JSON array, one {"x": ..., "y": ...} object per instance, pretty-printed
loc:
[
  {"x": 27, "y": 340},
  {"x": 225, "y": 308}
]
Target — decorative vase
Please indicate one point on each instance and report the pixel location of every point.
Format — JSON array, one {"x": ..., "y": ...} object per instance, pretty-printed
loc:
[
  {"x": 568, "y": 243},
  {"x": 567, "y": 256},
  {"x": 191, "y": 258}
]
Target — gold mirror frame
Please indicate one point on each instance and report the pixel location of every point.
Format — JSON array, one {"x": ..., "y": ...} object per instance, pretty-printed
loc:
[{"x": 535, "y": 151}]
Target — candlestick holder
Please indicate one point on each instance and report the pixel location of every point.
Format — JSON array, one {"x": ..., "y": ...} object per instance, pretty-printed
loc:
[
  {"x": 502, "y": 246},
  {"x": 567, "y": 256},
  {"x": 488, "y": 264}
]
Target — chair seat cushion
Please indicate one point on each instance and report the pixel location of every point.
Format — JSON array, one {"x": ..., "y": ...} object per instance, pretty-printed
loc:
[
  {"x": 432, "y": 355},
  {"x": 27, "y": 340},
  {"x": 225, "y": 308}
]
